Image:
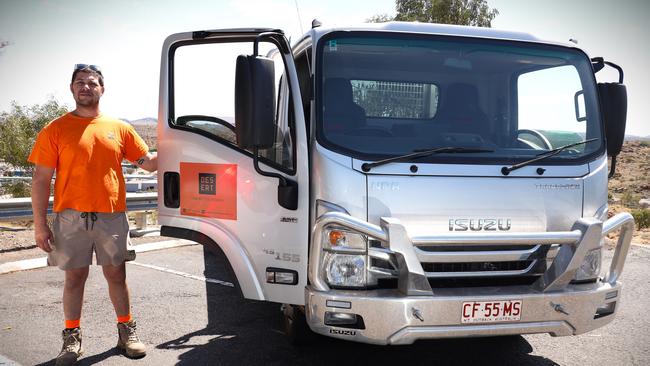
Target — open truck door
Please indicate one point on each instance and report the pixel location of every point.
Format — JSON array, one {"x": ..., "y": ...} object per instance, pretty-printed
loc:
[{"x": 232, "y": 155}]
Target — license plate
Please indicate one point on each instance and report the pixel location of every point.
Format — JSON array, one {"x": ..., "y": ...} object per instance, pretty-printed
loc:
[{"x": 491, "y": 311}]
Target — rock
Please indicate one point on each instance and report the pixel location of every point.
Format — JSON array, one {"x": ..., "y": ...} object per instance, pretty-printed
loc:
[{"x": 644, "y": 203}]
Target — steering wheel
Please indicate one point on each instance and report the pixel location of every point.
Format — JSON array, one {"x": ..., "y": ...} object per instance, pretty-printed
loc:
[{"x": 538, "y": 135}]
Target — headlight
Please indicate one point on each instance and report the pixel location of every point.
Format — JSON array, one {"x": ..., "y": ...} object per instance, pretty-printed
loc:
[
  {"x": 590, "y": 267},
  {"x": 345, "y": 270}
]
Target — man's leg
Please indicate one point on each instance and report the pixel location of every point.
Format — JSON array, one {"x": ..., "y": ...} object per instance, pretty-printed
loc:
[
  {"x": 73, "y": 292},
  {"x": 73, "y": 297},
  {"x": 126, "y": 327},
  {"x": 118, "y": 289}
]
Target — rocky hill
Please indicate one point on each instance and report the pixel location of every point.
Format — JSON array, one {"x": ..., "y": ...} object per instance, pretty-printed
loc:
[
  {"x": 631, "y": 183},
  {"x": 146, "y": 128}
]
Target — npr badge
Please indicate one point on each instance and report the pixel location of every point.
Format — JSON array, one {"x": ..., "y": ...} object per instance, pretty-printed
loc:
[{"x": 207, "y": 183}]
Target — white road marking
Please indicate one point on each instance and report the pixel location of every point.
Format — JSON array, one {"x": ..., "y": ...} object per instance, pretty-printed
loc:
[
  {"x": 4, "y": 361},
  {"x": 183, "y": 274}
]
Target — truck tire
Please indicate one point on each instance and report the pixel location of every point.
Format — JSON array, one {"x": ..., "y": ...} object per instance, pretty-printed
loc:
[{"x": 295, "y": 325}]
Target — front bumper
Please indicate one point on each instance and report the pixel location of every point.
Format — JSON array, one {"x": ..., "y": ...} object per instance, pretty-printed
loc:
[
  {"x": 389, "y": 318},
  {"x": 416, "y": 311}
]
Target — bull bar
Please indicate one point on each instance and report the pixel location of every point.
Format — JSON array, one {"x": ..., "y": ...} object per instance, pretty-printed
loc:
[{"x": 414, "y": 310}]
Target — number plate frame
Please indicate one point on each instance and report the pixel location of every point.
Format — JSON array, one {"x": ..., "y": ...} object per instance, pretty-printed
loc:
[{"x": 495, "y": 311}]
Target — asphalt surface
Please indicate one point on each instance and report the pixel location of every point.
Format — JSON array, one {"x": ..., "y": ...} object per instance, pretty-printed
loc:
[{"x": 186, "y": 321}]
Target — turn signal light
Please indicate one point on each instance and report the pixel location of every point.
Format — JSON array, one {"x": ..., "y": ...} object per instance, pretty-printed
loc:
[{"x": 337, "y": 238}]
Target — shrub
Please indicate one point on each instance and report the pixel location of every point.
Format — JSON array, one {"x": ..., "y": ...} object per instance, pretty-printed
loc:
[
  {"x": 642, "y": 218},
  {"x": 17, "y": 189},
  {"x": 629, "y": 199}
]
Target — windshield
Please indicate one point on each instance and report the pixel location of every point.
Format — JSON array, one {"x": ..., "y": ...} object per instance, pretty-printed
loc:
[{"x": 385, "y": 94}]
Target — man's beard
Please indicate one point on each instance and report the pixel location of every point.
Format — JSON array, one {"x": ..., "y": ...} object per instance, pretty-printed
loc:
[{"x": 87, "y": 102}]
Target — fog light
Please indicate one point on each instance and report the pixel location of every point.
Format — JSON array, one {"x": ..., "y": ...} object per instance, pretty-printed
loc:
[
  {"x": 345, "y": 270},
  {"x": 590, "y": 267},
  {"x": 332, "y": 318},
  {"x": 605, "y": 310},
  {"x": 344, "y": 320}
]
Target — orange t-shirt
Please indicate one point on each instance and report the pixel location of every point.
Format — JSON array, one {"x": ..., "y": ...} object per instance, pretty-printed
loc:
[{"x": 87, "y": 154}]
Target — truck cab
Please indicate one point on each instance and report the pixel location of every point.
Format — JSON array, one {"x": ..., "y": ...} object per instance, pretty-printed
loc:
[{"x": 398, "y": 181}]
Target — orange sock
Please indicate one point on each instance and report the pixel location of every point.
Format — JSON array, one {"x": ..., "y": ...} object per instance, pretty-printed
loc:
[
  {"x": 124, "y": 319},
  {"x": 69, "y": 324}
]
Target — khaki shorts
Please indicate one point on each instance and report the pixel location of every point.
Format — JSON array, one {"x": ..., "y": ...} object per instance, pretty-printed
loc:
[{"x": 78, "y": 234}]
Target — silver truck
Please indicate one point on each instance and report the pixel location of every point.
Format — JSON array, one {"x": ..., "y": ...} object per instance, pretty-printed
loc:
[{"x": 398, "y": 181}]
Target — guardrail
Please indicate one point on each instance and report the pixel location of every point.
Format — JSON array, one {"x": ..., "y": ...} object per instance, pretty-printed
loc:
[
  {"x": 126, "y": 177},
  {"x": 14, "y": 208}
]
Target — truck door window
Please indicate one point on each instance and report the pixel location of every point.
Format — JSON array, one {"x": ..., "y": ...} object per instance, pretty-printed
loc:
[
  {"x": 303, "y": 68},
  {"x": 202, "y": 97}
]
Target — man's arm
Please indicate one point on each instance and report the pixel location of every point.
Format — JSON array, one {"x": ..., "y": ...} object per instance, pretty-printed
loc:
[
  {"x": 40, "y": 198},
  {"x": 149, "y": 162}
]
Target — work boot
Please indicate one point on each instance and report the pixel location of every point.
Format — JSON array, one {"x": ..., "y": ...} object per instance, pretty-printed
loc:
[
  {"x": 128, "y": 340},
  {"x": 71, "y": 349}
]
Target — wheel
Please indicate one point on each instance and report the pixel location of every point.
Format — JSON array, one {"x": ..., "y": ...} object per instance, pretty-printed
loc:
[{"x": 295, "y": 325}]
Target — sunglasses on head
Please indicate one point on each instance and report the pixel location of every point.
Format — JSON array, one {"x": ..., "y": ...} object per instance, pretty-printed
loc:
[{"x": 94, "y": 68}]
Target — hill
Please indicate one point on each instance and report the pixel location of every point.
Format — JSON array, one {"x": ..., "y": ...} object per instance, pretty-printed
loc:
[
  {"x": 631, "y": 183},
  {"x": 146, "y": 128}
]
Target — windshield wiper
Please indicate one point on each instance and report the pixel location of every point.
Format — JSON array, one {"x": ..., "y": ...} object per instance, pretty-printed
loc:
[
  {"x": 547, "y": 154},
  {"x": 421, "y": 154}
]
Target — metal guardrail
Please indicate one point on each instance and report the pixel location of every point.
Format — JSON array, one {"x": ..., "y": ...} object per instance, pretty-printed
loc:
[
  {"x": 14, "y": 208},
  {"x": 126, "y": 177}
]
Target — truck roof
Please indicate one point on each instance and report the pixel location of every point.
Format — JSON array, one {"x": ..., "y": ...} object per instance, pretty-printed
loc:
[{"x": 440, "y": 29}]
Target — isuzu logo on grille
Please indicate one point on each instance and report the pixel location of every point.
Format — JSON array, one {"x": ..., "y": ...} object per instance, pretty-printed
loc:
[{"x": 479, "y": 224}]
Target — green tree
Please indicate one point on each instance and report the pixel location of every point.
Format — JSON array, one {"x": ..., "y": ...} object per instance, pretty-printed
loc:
[
  {"x": 380, "y": 18},
  {"x": 19, "y": 127},
  {"x": 460, "y": 12}
]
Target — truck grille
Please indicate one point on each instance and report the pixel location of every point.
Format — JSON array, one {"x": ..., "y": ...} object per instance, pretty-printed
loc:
[
  {"x": 471, "y": 265},
  {"x": 477, "y": 266},
  {"x": 448, "y": 266}
]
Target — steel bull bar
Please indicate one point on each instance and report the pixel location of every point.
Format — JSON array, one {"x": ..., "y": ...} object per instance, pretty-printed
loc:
[{"x": 552, "y": 304}]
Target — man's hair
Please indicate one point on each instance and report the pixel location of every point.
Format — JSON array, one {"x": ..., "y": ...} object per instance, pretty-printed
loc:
[{"x": 87, "y": 69}]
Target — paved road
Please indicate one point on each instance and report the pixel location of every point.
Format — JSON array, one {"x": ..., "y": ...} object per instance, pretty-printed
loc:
[{"x": 186, "y": 321}]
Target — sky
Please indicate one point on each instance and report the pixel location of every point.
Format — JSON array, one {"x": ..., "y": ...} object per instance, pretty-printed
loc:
[{"x": 47, "y": 37}]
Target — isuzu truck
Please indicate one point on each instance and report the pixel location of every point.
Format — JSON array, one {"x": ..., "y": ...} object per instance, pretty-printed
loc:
[{"x": 398, "y": 181}]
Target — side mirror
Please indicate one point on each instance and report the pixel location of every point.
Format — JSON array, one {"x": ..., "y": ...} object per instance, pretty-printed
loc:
[
  {"x": 613, "y": 99},
  {"x": 254, "y": 102},
  {"x": 255, "y": 111}
]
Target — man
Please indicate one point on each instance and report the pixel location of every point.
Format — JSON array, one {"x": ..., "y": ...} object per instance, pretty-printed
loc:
[{"x": 86, "y": 149}]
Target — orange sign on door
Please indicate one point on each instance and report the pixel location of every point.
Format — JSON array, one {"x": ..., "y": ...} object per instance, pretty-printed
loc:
[{"x": 209, "y": 190}]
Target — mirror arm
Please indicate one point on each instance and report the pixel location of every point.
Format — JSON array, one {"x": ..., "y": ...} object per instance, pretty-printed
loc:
[
  {"x": 599, "y": 63},
  {"x": 283, "y": 180},
  {"x": 287, "y": 189},
  {"x": 612, "y": 170}
]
